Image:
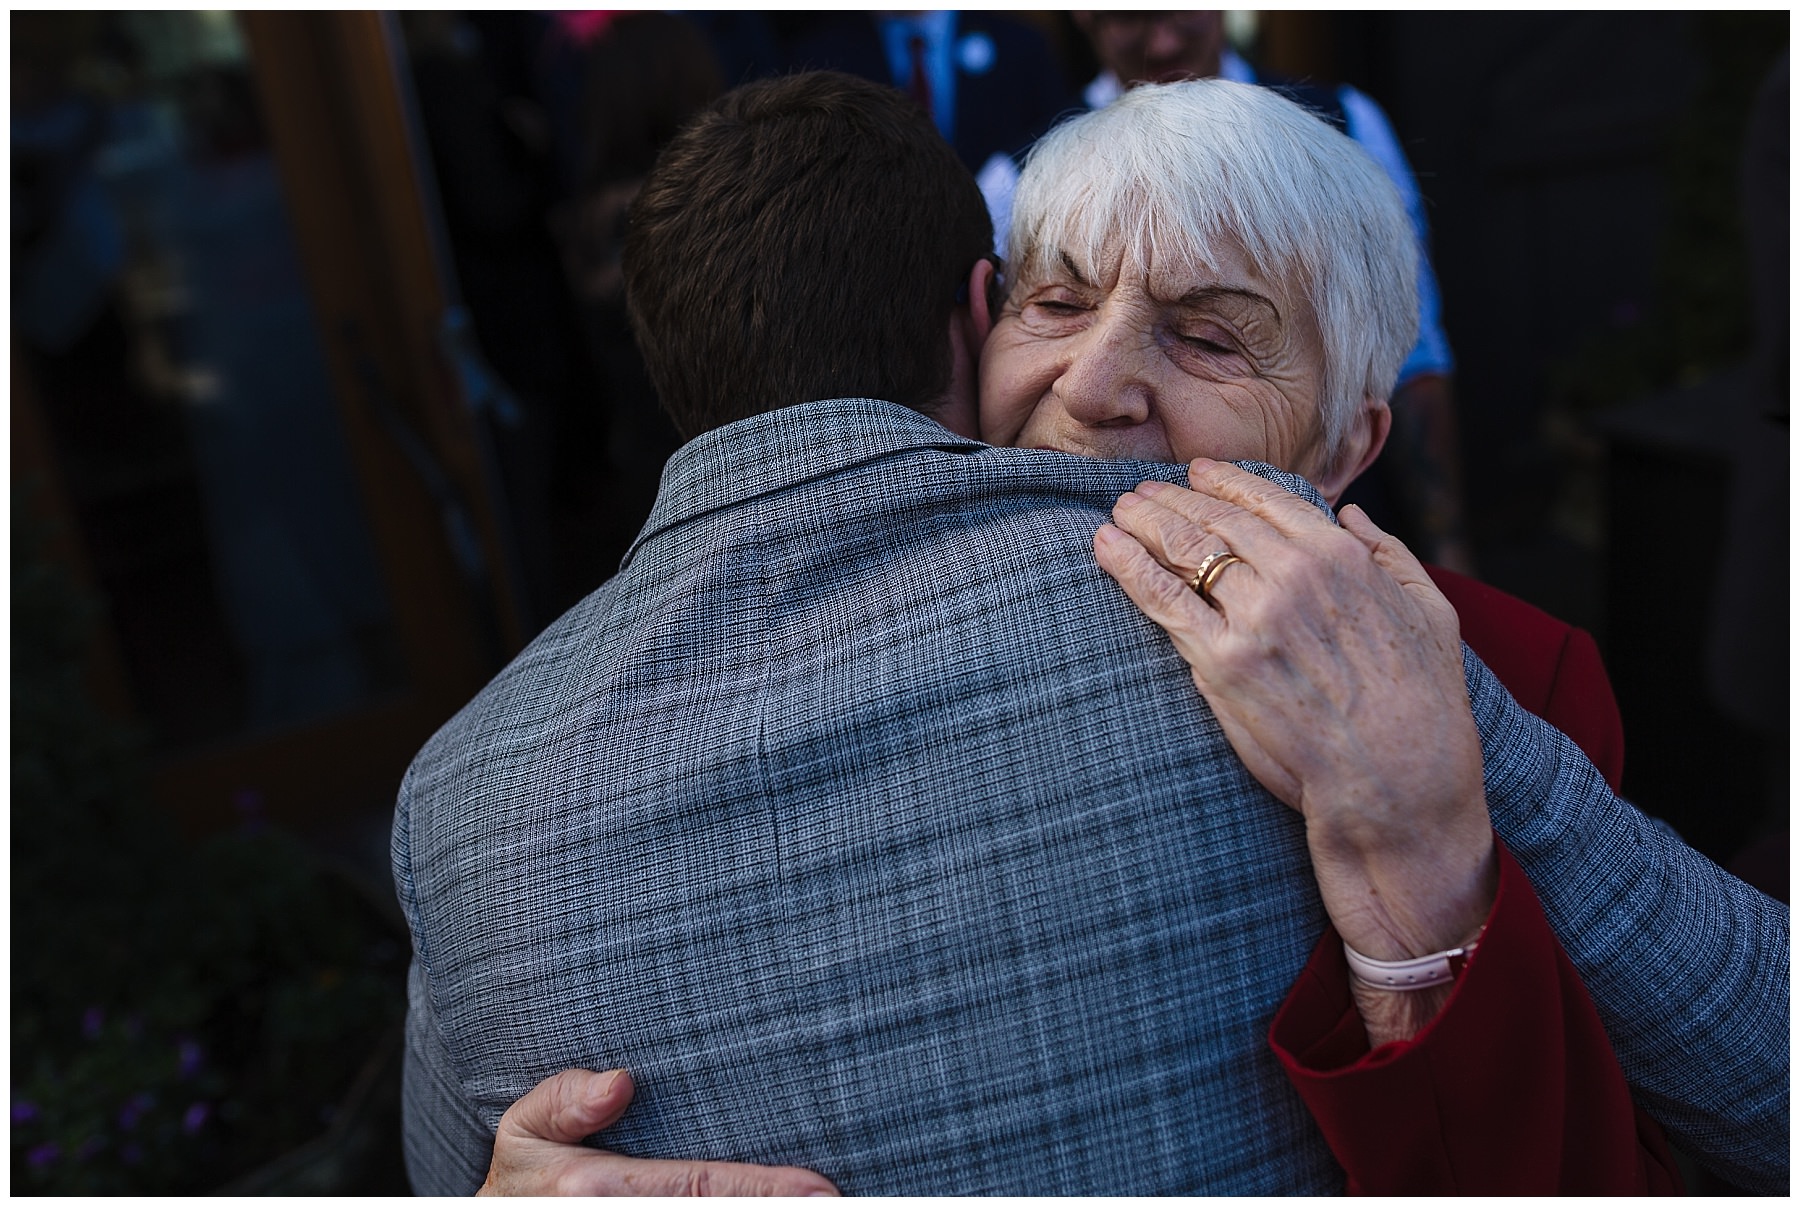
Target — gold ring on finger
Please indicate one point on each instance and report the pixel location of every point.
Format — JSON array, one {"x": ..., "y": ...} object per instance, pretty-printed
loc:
[
  {"x": 1208, "y": 574},
  {"x": 1206, "y": 564}
]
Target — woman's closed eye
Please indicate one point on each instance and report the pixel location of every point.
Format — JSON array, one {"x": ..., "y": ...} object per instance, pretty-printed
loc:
[
  {"x": 1054, "y": 311},
  {"x": 1206, "y": 343},
  {"x": 1207, "y": 339}
]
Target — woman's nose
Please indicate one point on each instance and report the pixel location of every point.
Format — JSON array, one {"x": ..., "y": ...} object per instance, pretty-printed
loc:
[{"x": 1105, "y": 383}]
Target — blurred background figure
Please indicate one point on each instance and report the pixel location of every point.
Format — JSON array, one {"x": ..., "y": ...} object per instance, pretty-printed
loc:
[
  {"x": 1720, "y": 439},
  {"x": 643, "y": 74},
  {"x": 991, "y": 83},
  {"x": 1751, "y": 609},
  {"x": 540, "y": 127},
  {"x": 65, "y": 230},
  {"x": 1752, "y": 599},
  {"x": 486, "y": 104}
]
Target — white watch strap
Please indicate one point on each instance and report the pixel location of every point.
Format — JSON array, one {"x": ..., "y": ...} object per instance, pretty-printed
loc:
[{"x": 1438, "y": 968}]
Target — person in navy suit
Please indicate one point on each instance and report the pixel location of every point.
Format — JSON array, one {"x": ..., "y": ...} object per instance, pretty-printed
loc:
[{"x": 991, "y": 83}]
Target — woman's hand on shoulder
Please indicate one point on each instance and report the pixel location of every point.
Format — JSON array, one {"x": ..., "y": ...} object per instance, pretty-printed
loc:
[{"x": 1334, "y": 666}]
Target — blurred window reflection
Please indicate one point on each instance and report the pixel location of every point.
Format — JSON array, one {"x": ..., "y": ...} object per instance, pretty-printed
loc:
[{"x": 162, "y": 314}]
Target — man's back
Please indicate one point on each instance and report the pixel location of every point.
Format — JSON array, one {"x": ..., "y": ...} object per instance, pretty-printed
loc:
[{"x": 876, "y": 832}]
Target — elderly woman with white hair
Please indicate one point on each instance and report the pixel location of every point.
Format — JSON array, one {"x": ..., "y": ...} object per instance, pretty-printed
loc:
[{"x": 1204, "y": 271}]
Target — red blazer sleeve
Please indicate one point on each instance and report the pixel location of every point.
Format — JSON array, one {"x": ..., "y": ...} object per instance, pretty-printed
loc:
[
  {"x": 1552, "y": 669},
  {"x": 1513, "y": 1089}
]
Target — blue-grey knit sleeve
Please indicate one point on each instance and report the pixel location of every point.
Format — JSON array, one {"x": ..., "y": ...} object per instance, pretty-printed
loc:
[
  {"x": 447, "y": 1145},
  {"x": 1687, "y": 965},
  {"x": 446, "y": 1142}
]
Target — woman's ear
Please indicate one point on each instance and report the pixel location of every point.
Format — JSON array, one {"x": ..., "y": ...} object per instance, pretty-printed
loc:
[{"x": 1368, "y": 433}]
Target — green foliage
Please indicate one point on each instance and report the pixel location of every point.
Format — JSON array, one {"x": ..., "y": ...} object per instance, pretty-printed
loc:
[
  {"x": 1698, "y": 320},
  {"x": 180, "y": 1012}
]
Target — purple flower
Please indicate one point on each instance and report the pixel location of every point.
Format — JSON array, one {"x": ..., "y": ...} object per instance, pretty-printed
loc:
[
  {"x": 92, "y": 1020},
  {"x": 196, "y": 1117},
  {"x": 44, "y": 1154},
  {"x": 23, "y": 1111},
  {"x": 190, "y": 1056},
  {"x": 132, "y": 1111}
]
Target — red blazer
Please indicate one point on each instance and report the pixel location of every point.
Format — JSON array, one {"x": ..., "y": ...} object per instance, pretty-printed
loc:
[
  {"x": 1513, "y": 1088},
  {"x": 1552, "y": 669}
]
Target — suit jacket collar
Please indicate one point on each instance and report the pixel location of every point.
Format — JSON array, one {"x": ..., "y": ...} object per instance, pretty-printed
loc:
[
  {"x": 791, "y": 445},
  {"x": 785, "y": 447}
]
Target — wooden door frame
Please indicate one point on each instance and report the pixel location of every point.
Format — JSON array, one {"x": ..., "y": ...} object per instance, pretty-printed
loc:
[{"x": 345, "y": 148}]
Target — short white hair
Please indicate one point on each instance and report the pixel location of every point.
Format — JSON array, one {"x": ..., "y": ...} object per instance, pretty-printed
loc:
[{"x": 1169, "y": 169}]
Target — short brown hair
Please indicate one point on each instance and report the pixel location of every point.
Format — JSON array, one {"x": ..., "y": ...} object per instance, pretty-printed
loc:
[{"x": 803, "y": 238}]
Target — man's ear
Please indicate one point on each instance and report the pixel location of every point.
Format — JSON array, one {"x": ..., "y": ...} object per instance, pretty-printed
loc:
[
  {"x": 983, "y": 297},
  {"x": 1368, "y": 433},
  {"x": 970, "y": 322}
]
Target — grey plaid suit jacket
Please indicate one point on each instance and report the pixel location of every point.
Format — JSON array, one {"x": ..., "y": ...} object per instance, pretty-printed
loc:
[{"x": 869, "y": 824}]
